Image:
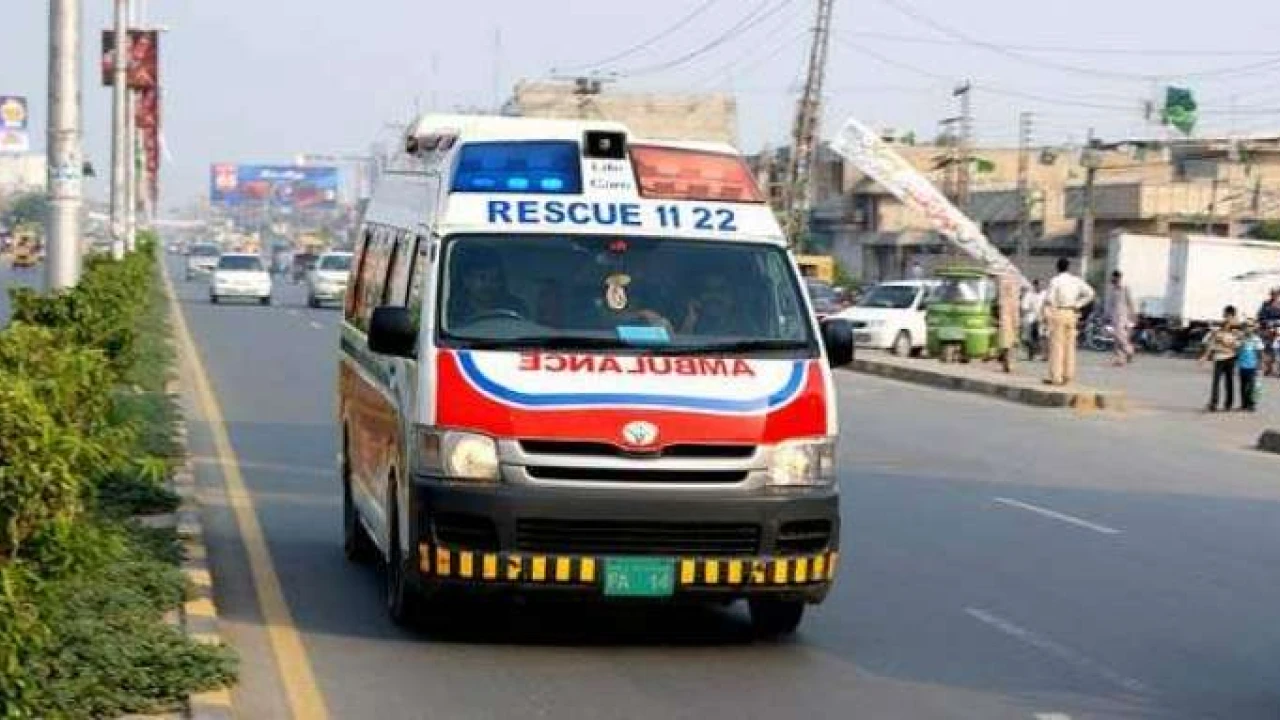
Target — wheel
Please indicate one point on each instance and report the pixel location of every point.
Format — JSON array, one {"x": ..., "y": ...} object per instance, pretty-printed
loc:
[
  {"x": 402, "y": 596},
  {"x": 265, "y": 300},
  {"x": 213, "y": 299},
  {"x": 772, "y": 618},
  {"x": 356, "y": 543},
  {"x": 1162, "y": 342},
  {"x": 902, "y": 344},
  {"x": 312, "y": 302}
]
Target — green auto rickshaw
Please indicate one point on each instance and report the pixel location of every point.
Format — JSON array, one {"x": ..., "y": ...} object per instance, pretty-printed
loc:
[{"x": 960, "y": 320}]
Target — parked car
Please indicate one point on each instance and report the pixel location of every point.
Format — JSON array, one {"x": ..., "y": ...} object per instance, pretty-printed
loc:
[
  {"x": 891, "y": 316},
  {"x": 825, "y": 299},
  {"x": 202, "y": 258},
  {"x": 327, "y": 282},
  {"x": 240, "y": 275}
]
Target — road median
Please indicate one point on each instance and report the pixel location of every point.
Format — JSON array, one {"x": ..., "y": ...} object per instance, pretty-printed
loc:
[{"x": 987, "y": 379}]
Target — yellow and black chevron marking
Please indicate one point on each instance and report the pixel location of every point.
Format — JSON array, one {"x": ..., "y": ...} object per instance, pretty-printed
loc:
[{"x": 573, "y": 570}]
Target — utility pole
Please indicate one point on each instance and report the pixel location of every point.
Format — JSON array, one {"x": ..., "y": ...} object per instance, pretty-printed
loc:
[
  {"x": 1091, "y": 159},
  {"x": 805, "y": 132},
  {"x": 65, "y": 160},
  {"x": 119, "y": 129},
  {"x": 131, "y": 173},
  {"x": 1024, "y": 197},
  {"x": 962, "y": 91}
]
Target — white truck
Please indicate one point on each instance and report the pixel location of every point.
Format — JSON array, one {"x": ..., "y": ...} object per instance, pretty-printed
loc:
[{"x": 1183, "y": 282}]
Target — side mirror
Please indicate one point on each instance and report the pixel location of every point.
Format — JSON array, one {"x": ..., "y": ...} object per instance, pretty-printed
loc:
[
  {"x": 393, "y": 332},
  {"x": 837, "y": 336}
]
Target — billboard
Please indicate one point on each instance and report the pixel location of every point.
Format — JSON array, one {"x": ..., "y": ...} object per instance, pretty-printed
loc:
[
  {"x": 144, "y": 58},
  {"x": 286, "y": 186},
  {"x": 14, "y": 137}
]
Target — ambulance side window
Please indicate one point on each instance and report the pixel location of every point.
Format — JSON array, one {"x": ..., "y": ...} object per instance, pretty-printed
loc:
[
  {"x": 352, "y": 304},
  {"x": 402, "y": 270},
  {"x": 420, "y": 282}
]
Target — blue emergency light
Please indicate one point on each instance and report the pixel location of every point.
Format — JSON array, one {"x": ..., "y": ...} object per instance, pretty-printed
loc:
[{"x": 533, "y": 166}]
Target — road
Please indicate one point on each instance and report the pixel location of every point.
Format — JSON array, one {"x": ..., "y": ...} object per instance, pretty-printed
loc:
[{"x": 1000, "y": 562}]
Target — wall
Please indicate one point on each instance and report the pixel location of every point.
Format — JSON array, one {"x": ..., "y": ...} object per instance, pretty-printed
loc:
[{"x": 666, "y": 116}]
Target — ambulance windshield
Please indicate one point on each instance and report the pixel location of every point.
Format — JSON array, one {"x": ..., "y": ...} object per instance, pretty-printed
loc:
[{"x": 638, "y": 294}]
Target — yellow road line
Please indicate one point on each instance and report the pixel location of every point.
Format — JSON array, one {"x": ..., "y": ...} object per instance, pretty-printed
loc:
[{"x": 301, "y": 690}]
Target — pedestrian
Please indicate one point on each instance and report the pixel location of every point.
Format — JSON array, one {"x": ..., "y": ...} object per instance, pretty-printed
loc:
[
  {"x": 1066, "y": 295},
  {"x": 1221, "y": 348},
  {"x": 1032, "y": 316},
  {"x": 1251, "y": 349},
  {"x": 1120, "y": 314}
]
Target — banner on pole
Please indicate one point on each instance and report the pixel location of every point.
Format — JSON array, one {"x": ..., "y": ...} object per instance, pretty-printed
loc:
[{"x": 863, "y": 147}]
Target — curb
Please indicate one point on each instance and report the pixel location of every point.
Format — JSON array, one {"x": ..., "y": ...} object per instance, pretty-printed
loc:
[
  {"x": 1075, "y": 397},
  {"x": 199, "y": 614},
  {"x": 1269, "y": 441}
]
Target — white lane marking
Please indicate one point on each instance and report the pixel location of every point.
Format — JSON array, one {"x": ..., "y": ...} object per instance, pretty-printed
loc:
[
  {"x": 317, "y": 326},
  {"x": 1058, "y": 516},
  {"x": 293, "y": 312},
  {"x": 1057, "y": 650},
  {"x": 1052, "y": 716}
]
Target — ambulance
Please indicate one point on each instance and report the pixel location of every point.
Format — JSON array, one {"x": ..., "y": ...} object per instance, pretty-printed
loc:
[{"x": 582, "y": 363}]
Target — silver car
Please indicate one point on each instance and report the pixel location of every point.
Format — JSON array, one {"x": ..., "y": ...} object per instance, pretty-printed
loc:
[
  {"x": 201, "y": 260},
  {"x": 327, "y": 281}
]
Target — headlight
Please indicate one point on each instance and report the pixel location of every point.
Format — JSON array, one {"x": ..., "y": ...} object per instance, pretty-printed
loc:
[
  {"x": 803, "y": 462},
  {"x": 457, "y": 455}
]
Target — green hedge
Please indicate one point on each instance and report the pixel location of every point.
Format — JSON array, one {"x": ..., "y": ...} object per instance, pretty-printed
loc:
[{"x": 86, "y": 445}]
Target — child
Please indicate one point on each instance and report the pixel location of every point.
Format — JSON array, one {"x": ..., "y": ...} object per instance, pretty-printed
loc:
[
  {"x": 1251, "y": 347},
  {"x": 1221, "y": 347}
]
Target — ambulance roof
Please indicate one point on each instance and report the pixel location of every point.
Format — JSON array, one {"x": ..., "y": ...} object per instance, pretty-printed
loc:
[{"x": 498, "y": 127}]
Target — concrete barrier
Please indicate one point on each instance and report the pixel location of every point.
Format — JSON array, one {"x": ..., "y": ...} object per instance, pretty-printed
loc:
[{"x": 1014, "y": 388}]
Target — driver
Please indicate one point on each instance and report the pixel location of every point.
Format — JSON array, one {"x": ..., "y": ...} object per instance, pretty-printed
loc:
[
  {"x": 483, "y": 289},
  {"x": 713, "y": 310}
]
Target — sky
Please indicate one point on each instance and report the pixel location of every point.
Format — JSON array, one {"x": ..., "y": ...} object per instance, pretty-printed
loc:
[{"x": 264, "y": 80}]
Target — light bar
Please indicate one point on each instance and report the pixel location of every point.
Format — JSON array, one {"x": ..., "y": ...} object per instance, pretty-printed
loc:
[
  {"x": 665, "y": 173},
  {"x": 535, "y": 167}
]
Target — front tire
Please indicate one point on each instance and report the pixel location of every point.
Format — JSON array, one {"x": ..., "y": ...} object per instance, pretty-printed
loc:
[
  {"x": 402, "y": 598},
  {"x": 264, "y": 301},
  {"x": 213, "y": 299},
  {"x": 772, "y": 618},
  {"x": 902, "y": 344}
]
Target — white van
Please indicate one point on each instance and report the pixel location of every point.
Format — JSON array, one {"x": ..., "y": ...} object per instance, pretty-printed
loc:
[{"x": 574, "y": 361}]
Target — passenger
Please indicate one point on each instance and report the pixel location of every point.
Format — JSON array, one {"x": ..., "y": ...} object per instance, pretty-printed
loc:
[
  {"x": 484, "y": 291},
  {"x": 713, "y": 310}
]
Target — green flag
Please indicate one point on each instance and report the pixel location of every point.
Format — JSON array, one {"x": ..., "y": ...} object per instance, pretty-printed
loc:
[{"x": 1179, "y": 109}]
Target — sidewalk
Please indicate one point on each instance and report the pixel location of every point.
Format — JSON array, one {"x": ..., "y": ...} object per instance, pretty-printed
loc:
[{"x": 1024, "y": 385}]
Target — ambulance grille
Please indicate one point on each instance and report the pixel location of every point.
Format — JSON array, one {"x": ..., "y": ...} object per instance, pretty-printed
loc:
[
  {"x": 591, "y": 449},
  {"x": 640, "y": 475},
  {"x": 605, "y": 537}
]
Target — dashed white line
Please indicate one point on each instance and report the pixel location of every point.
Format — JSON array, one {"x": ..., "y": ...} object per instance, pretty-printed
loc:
[
  {"x": 1057, "y": 650},
  {"x": 316, "y": 326},
  {"x": 1052, "y": 716},
  {"x": 1046, "y": 512},
  {"x": 293, "y": 312}
]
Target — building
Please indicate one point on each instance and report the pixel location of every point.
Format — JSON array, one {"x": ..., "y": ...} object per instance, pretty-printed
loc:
[
  {"x": 664, "y": 116},
  {"x": 22, "y": 173},
  {"x": 1219, "y": 186}
]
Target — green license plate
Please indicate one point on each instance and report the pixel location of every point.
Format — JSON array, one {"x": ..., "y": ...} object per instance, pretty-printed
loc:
[{"x": 639, "y": 577}]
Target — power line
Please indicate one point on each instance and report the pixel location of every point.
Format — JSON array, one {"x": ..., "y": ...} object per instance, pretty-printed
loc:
[
  {"x": 753, "y": 55},
  {"x": 757, "y": 15},
  {"x": 647, "y": 43},
  {"x": 1066, "y": 49},
  {"x": 923, "y": 19}
]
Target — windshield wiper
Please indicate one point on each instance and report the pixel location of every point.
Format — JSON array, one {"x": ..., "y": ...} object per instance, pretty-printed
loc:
[{"x": 740, "y": 346}]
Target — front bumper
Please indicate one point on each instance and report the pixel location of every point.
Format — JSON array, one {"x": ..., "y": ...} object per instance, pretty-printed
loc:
[
  {"x": 877, "y": 337},
  {"x": 571, "y": 545},
  {"x": 241, "y": 291},
  {"x": 329, "y": 293}
]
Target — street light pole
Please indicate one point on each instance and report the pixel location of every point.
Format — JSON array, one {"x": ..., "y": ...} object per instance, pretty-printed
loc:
[
  {"x": 65, "y": 159},
  {"x": 119, "y": 129},
  {"x": 131, "y": 173}
]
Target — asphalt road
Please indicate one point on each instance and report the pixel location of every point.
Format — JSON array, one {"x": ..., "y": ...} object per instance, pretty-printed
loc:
[{"x": 999, "y": 562}]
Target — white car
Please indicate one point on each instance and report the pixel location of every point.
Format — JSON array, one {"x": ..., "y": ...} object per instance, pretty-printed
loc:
[
  {"x": 240, "y": 275},
  {"x": 201, "y": 259},
  {"x": 327, "y": 281},
  {"x": 891, "y": 316}
]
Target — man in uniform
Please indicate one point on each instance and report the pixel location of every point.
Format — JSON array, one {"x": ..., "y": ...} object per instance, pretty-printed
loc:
[{"x": 1063, "y": 300}]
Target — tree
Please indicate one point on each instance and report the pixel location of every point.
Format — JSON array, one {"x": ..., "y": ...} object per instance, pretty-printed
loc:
[
  {"x": 1267, "y": 230},
  {"x": 29, "y": 208}
]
